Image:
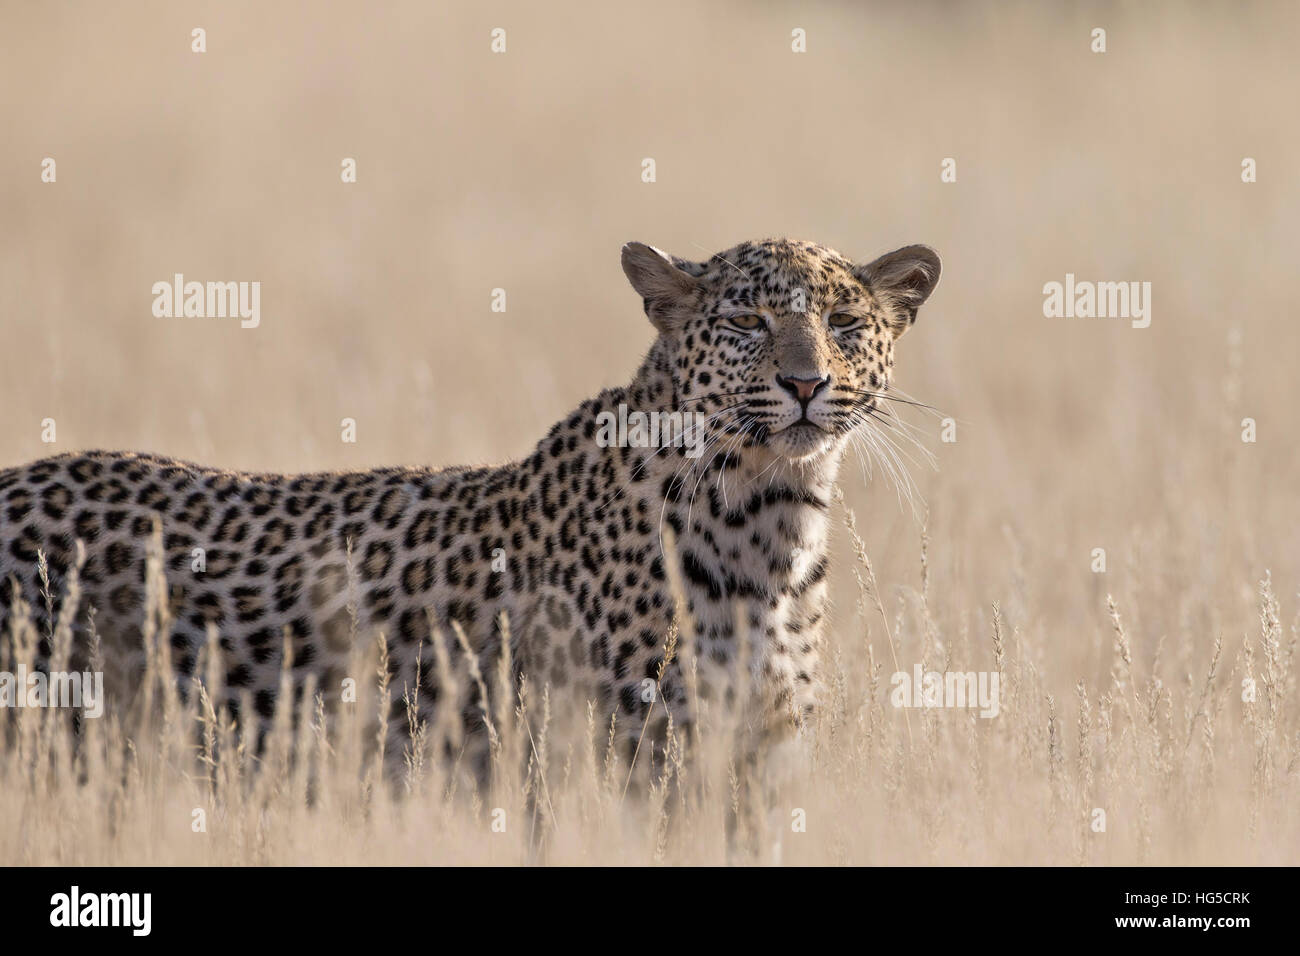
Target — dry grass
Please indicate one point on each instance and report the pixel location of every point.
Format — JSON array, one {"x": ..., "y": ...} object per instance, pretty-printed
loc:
[
  {"x": 1184, "y": 771},
  {"x": 1122, "y": 690}
]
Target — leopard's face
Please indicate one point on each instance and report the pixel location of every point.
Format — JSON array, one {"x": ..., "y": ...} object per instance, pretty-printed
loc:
[{"x": 785, "y": 342}]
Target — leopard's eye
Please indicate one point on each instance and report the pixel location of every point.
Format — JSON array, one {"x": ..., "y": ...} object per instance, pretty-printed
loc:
[
  {"x": 746, "y": 323},
  {"x": 843, "y": 320}
]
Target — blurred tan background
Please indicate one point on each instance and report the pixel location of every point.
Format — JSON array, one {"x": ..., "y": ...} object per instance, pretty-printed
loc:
[{"x": 522, "y": 171}]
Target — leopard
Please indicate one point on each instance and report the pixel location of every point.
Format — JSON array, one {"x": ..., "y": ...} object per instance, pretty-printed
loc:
[{"x": 633, "y": 578}]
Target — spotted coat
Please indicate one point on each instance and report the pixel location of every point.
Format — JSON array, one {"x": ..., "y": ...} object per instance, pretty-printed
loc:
[{"x": 783, "y": 348}]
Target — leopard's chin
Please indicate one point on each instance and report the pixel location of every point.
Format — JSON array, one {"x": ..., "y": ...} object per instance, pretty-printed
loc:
[{"x": 801, "y": 441}]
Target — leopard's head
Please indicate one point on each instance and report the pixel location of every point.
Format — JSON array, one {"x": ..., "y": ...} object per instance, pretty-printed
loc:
[{"x": 787, "y": 342}]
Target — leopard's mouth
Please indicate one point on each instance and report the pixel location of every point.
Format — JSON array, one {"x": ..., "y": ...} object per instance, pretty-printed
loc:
[{"x": 804, "y": 425}]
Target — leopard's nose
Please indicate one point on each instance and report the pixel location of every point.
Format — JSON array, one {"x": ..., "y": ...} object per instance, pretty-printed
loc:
[{"x": 802, "y": 388}]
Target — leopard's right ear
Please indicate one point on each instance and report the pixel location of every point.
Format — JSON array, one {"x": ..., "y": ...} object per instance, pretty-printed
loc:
[
  {"x": 904, "y": 279},
  {"x": 665, "y": 287}
]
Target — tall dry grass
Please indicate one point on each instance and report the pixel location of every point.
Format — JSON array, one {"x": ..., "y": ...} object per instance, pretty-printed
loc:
[{"x": 1136, "y": 766}]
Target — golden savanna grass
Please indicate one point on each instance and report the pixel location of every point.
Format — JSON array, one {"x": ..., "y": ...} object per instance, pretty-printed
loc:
[{"x": 1125, "y": 691}]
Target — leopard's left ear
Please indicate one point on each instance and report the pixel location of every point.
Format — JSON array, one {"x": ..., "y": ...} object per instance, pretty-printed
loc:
[
  {"x": 665, "y": 283},
  {"x": 904, "y": 279}
]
